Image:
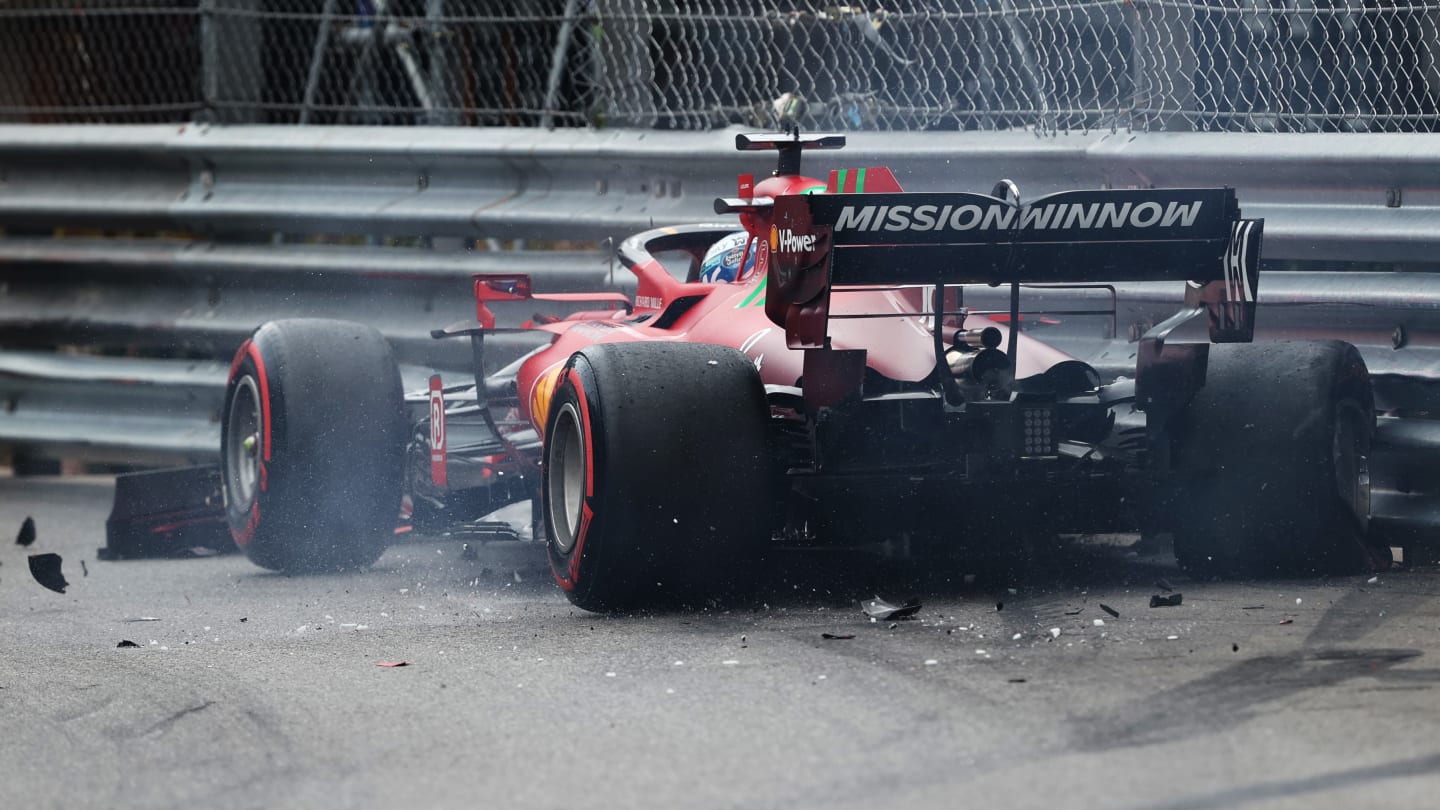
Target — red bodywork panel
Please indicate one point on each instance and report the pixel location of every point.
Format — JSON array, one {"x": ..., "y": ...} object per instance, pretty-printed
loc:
[{"x": 899, "y": 347}]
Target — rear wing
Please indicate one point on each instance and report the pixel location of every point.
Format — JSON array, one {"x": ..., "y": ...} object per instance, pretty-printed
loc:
[{"x": 1195, "y": 235}]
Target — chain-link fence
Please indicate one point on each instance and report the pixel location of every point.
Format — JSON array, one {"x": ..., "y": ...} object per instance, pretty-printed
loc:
[{"x": 1254, "y": 65}]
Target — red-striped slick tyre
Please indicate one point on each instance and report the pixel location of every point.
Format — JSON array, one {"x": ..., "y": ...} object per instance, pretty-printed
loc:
[
  {"x": 657, "y": 482},
  {"x": 312, "y": 445},
  {"x": 1272, "y": 463}
]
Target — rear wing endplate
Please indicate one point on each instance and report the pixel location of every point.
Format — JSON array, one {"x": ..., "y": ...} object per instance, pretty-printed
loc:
[{"x": 1195, "y": 235}]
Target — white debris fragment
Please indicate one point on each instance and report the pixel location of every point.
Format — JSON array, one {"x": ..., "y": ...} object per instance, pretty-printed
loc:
[
  {"x": 609, "y": 674},
  {"x": 1297, "y": 600},
  {"x": 404, "y": 590},
  {"x": 1016, "y": 637},
  {"x": 1172, "y": 638},
  {"x": 820, "y": 678},
  {"x": 348, "y": 624},
  {"x": 362, "y": 627},
  {"x": 1099, "y": 622},
  {"x": 679, "y": 663},
  {"x": 669, "y": 691},
  {"x": 518, "y": 578},
  {"x": 1372, "y": 580},
  {"x": 729, "y": 662},
  {"x": 980, "y": 652},
  {"x": 1054, "y": 632},
  {"x": 930, "y": 662}
]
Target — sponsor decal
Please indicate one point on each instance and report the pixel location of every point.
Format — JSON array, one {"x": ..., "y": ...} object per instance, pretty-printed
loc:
[
  {"x": 785, "y": 240},
  {"x": 438, "y": 473},
  {"x": 756, "y": 298},
  {"x": 648, "y": 302},
  {"x": 1002, "y": 217},
  {"x": 541, "y": 395},
  {"x": 1237, "y": 272},
  {"x": 752, "y": 342}
]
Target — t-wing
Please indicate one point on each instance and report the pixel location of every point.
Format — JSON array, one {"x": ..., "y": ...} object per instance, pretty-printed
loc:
[{"x": 832, "y": 240}]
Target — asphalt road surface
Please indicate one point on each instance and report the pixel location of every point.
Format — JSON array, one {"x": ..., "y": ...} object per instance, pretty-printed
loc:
[{"x": 251, "y": 689}]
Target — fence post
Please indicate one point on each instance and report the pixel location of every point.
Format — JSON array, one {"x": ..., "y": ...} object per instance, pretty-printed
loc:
[
  {"x": 557, "y": 64},
  {"x": 627, "y": 73},
  {"x": 440, "y": 48},
  {"x": 1163, "y": 67},
  {"x": 231, "y": 71}
]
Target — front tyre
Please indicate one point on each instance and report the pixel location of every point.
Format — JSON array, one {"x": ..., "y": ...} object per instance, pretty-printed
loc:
[
  {"x": 312, "y": 445},
  {"x": 657, "y": 482}
]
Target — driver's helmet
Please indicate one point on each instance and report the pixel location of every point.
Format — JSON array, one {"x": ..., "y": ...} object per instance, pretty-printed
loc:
[{"x": 722, "y": 260}]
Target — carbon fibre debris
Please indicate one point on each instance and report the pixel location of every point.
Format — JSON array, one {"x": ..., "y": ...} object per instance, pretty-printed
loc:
[
  {"x": 27, "y": 533},
  {"x": 45, "y": 568},
  {"x": 878, "y": 608}
]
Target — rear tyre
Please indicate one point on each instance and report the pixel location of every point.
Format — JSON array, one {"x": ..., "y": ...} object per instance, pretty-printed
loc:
[
  {"x": 1272, "y": 461},
  {"x": 657, "y": 484},
  {"x": 312, "y": 445}
]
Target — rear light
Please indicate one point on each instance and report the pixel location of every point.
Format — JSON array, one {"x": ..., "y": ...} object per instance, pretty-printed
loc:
[{"x": 1038, "y": 426}]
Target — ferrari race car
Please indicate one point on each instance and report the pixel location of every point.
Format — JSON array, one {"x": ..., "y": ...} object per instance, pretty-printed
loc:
[{"x": 837, "y": 391}]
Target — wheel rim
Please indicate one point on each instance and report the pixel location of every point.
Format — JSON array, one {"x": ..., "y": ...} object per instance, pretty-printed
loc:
[
  {"x": 1352, "y": 462},
  {"x": 565, "y": 481},
  {"x": 242, "y": 444}
]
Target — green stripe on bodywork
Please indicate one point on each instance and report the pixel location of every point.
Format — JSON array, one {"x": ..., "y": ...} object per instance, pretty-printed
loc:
[
  {"x": 860, "y": 181},
  {"x": 840, "y": 181},
  {"x": 760, "y": 288}
]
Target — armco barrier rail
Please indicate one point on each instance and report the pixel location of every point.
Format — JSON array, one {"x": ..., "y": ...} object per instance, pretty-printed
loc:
[
  {"x": 1360, "y": 197},
  {"x": 78, "y": 316}
]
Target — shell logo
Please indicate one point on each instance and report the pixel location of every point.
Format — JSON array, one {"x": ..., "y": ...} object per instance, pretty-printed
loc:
[
  {"x": 540, "y": 397},
  {"x": 774, "y": 238}
]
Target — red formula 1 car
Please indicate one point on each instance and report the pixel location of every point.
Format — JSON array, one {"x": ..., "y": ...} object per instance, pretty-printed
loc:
[{"x": 839, "y": 390}]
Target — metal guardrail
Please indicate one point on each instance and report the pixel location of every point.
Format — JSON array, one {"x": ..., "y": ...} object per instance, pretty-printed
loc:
[
  {"x": 1334, "y": 197},
  {"x": 129, "y": 409},
  {"x": 1370, "y": 198},
  {"x": 85, "y": 323},
  {"x": 203, "y": 299}
]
